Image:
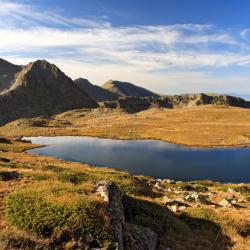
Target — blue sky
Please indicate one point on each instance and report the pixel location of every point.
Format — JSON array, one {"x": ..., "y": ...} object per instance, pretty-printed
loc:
[{"x": 171, "y": 46}]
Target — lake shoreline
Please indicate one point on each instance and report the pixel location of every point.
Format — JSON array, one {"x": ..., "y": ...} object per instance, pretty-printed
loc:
[{"x": 138, "y": 157}]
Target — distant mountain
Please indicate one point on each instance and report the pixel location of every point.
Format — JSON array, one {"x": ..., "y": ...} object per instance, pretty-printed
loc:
[
  {"x": 95, "y": 92},
  {"x": 127, "y": 89},
  {"x": 7, "y": 74},
  {"x": 41, "y": 88}
]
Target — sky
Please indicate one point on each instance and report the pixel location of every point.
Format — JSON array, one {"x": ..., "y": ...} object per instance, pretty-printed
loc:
[{"x": 167, "y": 46}]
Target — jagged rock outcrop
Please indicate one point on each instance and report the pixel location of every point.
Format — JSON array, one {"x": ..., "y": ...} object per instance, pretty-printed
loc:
[
  {"x": 41, "y": 88},
  {"x": 127, "y": 89},
  {"x": 136, "y": 104},
  {"x": 7, "y": 74},
  {"x": 127, "y": 236},
  {"x": 95, "y": 92}
]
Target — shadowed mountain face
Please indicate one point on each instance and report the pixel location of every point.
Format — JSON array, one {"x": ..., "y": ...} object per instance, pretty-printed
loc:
[
  {"x": 7, "y": 74},
  {"x": 95, "y": 92},
  {"x": 41, "y": 88},
  {"x": 127, "y": 89}
]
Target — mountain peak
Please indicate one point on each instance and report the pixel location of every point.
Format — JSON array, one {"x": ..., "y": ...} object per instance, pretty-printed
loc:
[
  {"x": 41, "y": 88},
  {"x": 127, "y": 89},
  {"x": 95, "y": 92}
]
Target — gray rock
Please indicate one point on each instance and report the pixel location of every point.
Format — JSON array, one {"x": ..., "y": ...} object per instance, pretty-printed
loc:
[
  {"x": 189, "y": 198},
  {"x": 167, "y": 200},
  {"x": 231, "y": 190},
  {"x": 202, "y": 199},
  {"x": 158, "y": 186},
  {"x": 225, "y": 203},
  {"x": 182, "y": 208},
  {"x": 113, "y": 196},
  {"x": 127, "y": 236}
]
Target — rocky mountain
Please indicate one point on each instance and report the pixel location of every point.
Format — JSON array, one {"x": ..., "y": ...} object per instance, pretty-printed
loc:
[
  {"x": 7, "y": 74},
  {"x": 136, "y": 104},
  {"x": 41, "y": 88},
  {"x": 95, "y": 92},
  {"x": 127, "y": 89}
]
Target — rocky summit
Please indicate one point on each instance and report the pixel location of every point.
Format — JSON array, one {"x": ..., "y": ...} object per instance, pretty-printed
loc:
[
  {"x": 41, "y": 88},
  {"x": 96, "y": 92},
  {"x": 7, "y": 74},
  {"x": 127, "y": 89}
]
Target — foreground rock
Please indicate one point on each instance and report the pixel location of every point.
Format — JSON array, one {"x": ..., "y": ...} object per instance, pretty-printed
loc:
[{"x": 127, "y": 236}]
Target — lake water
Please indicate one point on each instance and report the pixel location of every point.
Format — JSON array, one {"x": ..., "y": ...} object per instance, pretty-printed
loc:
[{"x": 150, "y": 157}]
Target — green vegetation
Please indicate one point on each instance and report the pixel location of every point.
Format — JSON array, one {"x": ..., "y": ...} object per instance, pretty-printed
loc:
[
  {"x": 67, "y": 175},
  {"x": 6, "y": 176},
  {"x": 46, "y": 213}
]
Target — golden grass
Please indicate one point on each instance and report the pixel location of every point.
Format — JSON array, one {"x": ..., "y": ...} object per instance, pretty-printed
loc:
[
  {"x": 207, "y": 126},
  {"x": 33, "y": 168}
]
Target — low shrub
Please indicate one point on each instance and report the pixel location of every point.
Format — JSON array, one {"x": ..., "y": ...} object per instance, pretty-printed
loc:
[
  {"x": 72, "y": 177},
  {"x": 67, "y": 175},
  {"x": 7, "y": 176},
  {"x": 30, "y": 211}
]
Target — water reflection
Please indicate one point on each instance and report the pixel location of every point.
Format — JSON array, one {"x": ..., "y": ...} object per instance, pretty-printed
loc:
[{"x": 149, "y": 157}]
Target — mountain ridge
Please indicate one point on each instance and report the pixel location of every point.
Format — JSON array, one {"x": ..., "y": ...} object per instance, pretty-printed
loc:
[
  {"x": 127, "y": 89},
  {"x": 41, "y": 88},
  {"x": 96, "y": 92}
]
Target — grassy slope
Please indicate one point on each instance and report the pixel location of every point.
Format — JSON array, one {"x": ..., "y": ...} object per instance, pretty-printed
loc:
[
  {"x": 207, "y": 126},
  {"x": 59, "y": 183}
]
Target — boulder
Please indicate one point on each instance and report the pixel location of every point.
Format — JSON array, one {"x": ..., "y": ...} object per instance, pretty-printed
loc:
[
  {"x": 202, "y": 199},
  {"x": 189, "y": 198},
  {"x": 158, "y": 186},
  {"x": 225, "y": 203}
]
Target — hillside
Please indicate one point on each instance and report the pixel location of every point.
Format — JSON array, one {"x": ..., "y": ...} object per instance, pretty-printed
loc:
[
  {"x": 41, "y": 88},
  {"x": 127, "y": 89},
  {"x": 204, "y": 126},
  {"x": 7, "y": 74},
  {"x": 95, "y": 92}
]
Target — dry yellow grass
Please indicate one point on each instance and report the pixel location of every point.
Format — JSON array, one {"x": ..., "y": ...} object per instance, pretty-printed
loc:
[
  {"x": 197, "y": 229},
  {"x": 207, "y": 126}
]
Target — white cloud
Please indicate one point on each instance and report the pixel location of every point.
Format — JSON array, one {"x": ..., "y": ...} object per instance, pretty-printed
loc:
[{"x": 150, "y": 55}]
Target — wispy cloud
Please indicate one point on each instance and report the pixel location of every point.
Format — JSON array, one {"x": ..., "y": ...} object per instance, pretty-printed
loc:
[{"x": 79, "y": 44}]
